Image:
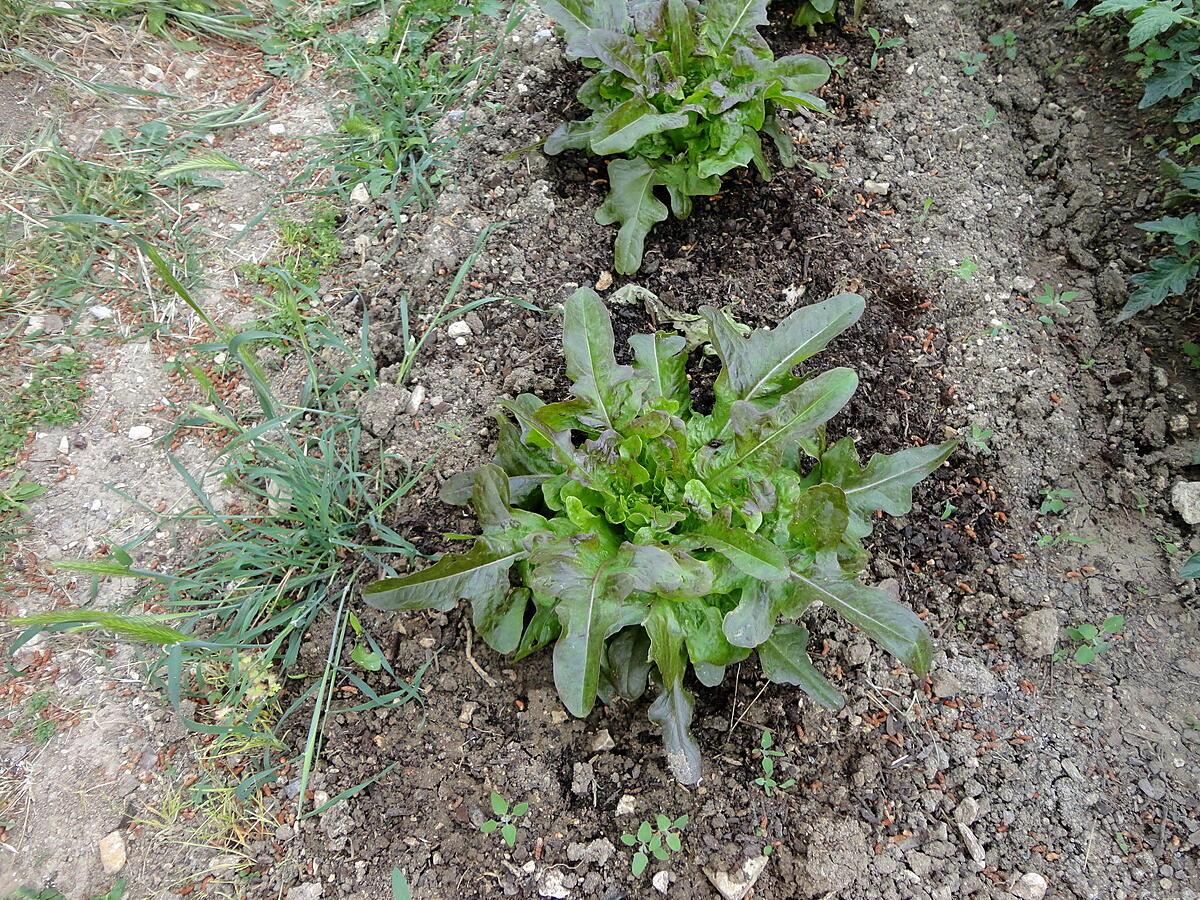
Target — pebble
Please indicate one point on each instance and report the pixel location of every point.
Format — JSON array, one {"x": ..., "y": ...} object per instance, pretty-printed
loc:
[
  {"x": 416, "y": 399},
  {"x": 1030, "y": 886},
  {"x": 877, "y": 187},
  {"x": 1037, "y": 633},
  {"x": 974, "y": 847},
  {"x": 661, "y": 881},
  {"x": 1185, "y": 497},
  {"x": 361, "y": 194},
  {"x": 627, "y": 805},
  {"x": 602, "y": 742},
  {"x": 112, "y": 852},
  {"x": 44, "y": 323},
  {"x": 468, "y": 710},
  {"x": 100, "y": 312},
  {"x": 552, "y": 886},
  {"x": 967, "y": 811},
  {"x": 598, "y": 852},
  {"x": 310, "y": 891},
  {"x": 141, "y": 433},
  {"x": 604, "y": 282},
  {"x": 458, "y": 329},
  {"x": 737, "y": 885},
  {"x": 280, "y": 128},
  {"x": 582, "y": 778}
]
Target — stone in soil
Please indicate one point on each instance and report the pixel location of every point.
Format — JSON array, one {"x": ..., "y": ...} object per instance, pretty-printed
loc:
[
  {"x": 1037, "y": 633},
  {"x": 112, "y": 852}
]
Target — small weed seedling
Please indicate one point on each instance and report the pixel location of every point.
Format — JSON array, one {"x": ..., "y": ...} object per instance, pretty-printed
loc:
[
  {"x": 947, "y": 511},
  {"x": 660, "y": 841},
  {"x": 768, "y": 782},
  {"x": 1089, "y": 640},
  {"x": 926, "y": 209},
  {"x": 506, "y": 819},
  {"x": 978, "y": 439},
  {"x": 1054, "y": 501},
  {"x": 965, "y": 270},
  {"x": 881, "y": 44},
  {"x": 971, "y": 61},
  {"x": 1006, "y": 42},
  {"x": 838, "y": 64},
  {"x": 998, "y": 327},
  {"x": 988, "y": 117},
  {"x": 1063, "y": 537},
  {"x": 1053, "y": 303}
]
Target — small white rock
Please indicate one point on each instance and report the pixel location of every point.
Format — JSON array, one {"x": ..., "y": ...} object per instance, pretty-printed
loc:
[
  {"x": 64, "y": 446},
  {"x": 661, "y": 881},
  {"x": 1185, "y": 497},
  {"x": 602, "y": 742},
  {"x": 361, "y": 194},
  {"x": 1030, "y": 886},
  {"x": 112, "y": 852},
  {"x": 626, "y": 805},
  {"x": 100, "y": 312},
  {"x": 416, "y": 399},
  {"x": 141, "y": 433},
  {"x": 877, "y": 187},
  {"x": 153, "y": 71},
  {"x": 458, "y": 328},
  {"x": 277, "y": 128}
]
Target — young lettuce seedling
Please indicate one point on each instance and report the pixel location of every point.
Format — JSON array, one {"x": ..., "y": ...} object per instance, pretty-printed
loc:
[
  {"x": 681, "y": 92},
  {"x": 640, "y": 535}
]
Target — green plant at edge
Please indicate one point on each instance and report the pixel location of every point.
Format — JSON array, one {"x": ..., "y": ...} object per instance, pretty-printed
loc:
[
  {"x": 679, "y": 98},
  {"x": 1054, "y": 501},
  {"x": 1089, "y": 640},
  {"x": 659, "y": 840},
  {"x": 1054, "y": 303},
  {"x": 972, "y": 61},
  {"x": 1006, "y": 42},
  {"x": 644, "y": 534},
  {"x": 767, "y": 782},
  {"x": 506, "y": 819},
  {"x": 810, "y": 13},
  {"x": 881, "y": 44}
]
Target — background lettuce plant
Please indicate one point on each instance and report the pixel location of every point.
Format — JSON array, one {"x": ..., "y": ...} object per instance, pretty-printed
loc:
[
  {"x": 644, "y": 535},
  {"x": 680, "y": 94}
]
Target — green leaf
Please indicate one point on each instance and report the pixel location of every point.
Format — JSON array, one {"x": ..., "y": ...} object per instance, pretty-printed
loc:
[
  {"x": 730, "y": 24},
  {"x": 894, "y": 626},
  {"x": 366, "y": 658},
  {"x": 570, "y": 136},
  {"x": 750, "y": 553},
  {"x": 662, "y": 360},
  {"x": 631, "y": 202},
  {"x": 489, "y": 826},
  {"x": 1191, "y": 568},
  {"x": 672, "y": 709},
  {"x": 674, "y": 842},
  {"x": 640, "y": 861},
  {"x": 784, "y": 658},
  {"x": 508, "y": 831},
  {"x": 626, "y": 124},
  {"x": 645, "y": 832},
  {"x": 681, "y": 34},
  {"x": 765, "y": 437},
  {"x": 1113, "y": 624},
  {"x": 520, "y": 809},
  {"x": 1168, "y": 276},
  {"x": 628, "y": 656},
  {"x": 761, "y": 365},
  {"x": 500, "y": 618},
  {"x": 887, "y": 482},
  {"x": 480, "y": 573},
  {"x": 618, "y": 52},
  {"x": 821, "y": 517},
  {"x": 752, "y": 620},
  {"x": 537, "y": 433},
  {"x": 400, "y": 888},
  {"x": 1088, "y": 632},
  {"x": 1084, "y": 654},
  {"x": 592, "y": 608},
  {"x": 499, "y": 804},
  {"x": 591, "y": 365},
  {"x": 149, "y": 629}
]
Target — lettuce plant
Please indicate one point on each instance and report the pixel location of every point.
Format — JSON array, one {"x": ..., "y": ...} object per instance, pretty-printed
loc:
[
  {"x": 680, "y": 94},
  {"x": 643, "y": 535}
]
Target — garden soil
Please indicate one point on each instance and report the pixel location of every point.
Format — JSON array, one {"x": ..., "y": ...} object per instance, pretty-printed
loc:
[{"x": 949, "y": 201}]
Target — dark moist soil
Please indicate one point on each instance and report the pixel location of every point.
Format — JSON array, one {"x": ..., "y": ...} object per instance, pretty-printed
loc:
[{"x": 1001, "y": 773}]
